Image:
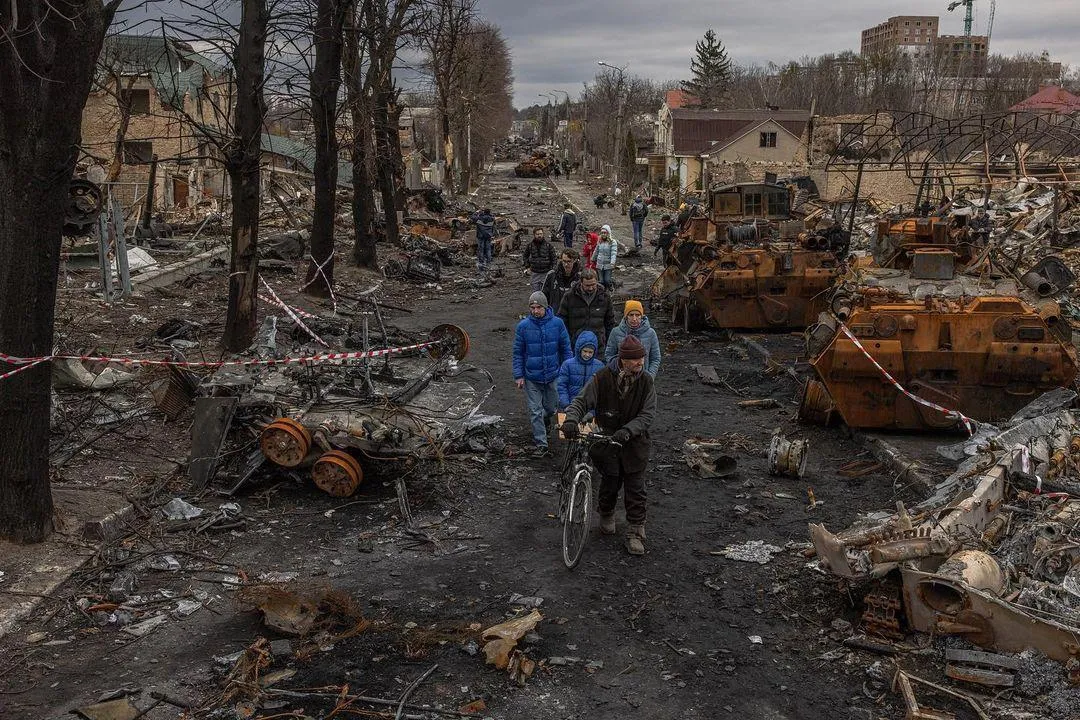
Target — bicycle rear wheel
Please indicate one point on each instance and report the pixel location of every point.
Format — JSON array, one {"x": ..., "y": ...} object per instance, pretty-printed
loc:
[{"x": 577, "y": 518}]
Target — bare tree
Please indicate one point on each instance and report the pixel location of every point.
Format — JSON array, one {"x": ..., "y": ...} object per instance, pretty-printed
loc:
[
  {"x": 243, "y": 165},
  {"x": 325, "y": 83},
  {"x": 47, "y": 58},
  {"x": 450, "y": 21}
]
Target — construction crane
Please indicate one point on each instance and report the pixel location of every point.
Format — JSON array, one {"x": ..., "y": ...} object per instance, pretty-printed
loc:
[{"x": 968, "y": 15}]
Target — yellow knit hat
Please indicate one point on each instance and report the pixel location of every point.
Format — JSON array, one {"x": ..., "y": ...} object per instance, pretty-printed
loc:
[{"x": 632, "y": 305}]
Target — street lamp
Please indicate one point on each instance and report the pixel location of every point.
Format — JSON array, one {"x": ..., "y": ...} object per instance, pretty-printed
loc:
[
  {"x": 618, "y": 120},
  {"x": 552, "y": 99}
]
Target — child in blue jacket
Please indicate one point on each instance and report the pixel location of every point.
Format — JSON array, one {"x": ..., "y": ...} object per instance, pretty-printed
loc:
[{"x": 575, "y": 372}]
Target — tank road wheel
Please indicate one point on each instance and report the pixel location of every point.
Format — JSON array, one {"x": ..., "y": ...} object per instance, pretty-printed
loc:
[
  {"x": 337, "y": 473},
  {"x": 285, "y": 442},
  {"x": 453, "y": 342}
]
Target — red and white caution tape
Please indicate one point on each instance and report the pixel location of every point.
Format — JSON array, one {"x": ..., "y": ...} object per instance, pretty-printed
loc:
[
  {"x": 28, "y": 362},
  {"x": 302, "y": 313},
  {"x": 969, "y": 424},
  {"x": 18, "y": 370},
  {"x": 289, "y": 311}
]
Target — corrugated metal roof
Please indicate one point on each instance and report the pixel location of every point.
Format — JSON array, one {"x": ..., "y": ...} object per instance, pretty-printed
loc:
[
  {"x": 304, "y": 155},
  {"x": 696, "y": 131},
  {"x": 1051, "y": 98},
  {"x": 175, "y": 70}
]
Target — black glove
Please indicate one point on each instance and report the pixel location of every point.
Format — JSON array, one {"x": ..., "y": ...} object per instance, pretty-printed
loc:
[
  {"x": 569, "y": 429},
  {"x": 621, "y": 436}
]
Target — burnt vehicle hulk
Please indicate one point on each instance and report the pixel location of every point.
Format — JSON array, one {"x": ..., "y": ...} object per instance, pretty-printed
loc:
[
  {"x": 747, "y": 262},
  {"x": 982, "y": 344}
]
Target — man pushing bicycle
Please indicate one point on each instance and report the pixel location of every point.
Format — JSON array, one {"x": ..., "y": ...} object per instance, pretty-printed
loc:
[{"x": 623, "y": 398}]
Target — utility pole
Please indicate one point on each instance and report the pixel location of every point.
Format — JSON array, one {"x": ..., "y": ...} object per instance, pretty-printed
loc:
[{"x": 618, "y": 122}]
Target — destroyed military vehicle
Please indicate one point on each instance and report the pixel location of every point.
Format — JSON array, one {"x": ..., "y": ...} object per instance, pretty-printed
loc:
[
  {"x": 937, "y": 344},
  {"x": 748, "y": 262}
]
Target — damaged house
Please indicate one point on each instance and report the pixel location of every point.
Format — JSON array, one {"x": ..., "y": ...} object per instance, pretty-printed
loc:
[
  {"x": 694, "y": 144},
  {"x": 156, "y": 96}
]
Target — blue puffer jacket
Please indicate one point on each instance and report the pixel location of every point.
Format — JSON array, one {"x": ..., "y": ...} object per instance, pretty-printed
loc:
[
  {"x": 645, "y": 334},
  {"x": 541, "y": 345},
  {"x": 575, "y": 372}
]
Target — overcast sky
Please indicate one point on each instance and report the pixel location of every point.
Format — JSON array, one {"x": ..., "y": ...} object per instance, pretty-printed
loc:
[{"x": 556, "y": 43}]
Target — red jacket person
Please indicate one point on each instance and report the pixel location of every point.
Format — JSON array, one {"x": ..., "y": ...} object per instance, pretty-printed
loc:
[{"x": 624, "y": 401}]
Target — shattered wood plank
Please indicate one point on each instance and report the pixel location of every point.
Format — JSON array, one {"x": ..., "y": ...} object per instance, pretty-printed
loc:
[{"x": 980, "y": 676}]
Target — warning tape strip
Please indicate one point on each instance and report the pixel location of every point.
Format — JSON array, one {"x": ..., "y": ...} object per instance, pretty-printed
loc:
[
  {"x": 29, "y": 362},
  {"x": 298, "y": 311},
  {"x": 289, "y": 311},
  {"x": 969, "y": 424}
]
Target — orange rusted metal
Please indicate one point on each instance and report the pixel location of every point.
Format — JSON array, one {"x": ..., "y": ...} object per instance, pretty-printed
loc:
[
  {"x": 984, "y": 356},
  {"x": 897, "y": 241},
  {"x": 748, "y": 264}
]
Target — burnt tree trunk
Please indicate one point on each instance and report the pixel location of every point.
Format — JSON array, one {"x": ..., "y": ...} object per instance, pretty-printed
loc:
[
  {"x": 384, "y": 97},
  {"x": 363, "y": 204},
  {"x": 325, "y": 82},
  {"x": 46, "y": 66},
  {"x": 245, "y": 177},
  {"x": 397, "y": 162}
]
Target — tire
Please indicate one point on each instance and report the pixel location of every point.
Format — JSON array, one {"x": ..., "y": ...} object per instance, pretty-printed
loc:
[{"x": 577, "y": 518}]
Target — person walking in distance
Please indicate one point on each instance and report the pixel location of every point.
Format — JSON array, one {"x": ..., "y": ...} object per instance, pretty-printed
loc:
[
  {"x": 541, "y": 346},
  {"x": 587, "y": 306},
  {"x": 591, "y": 241},
  {"x": 562, "y": 276},
  {"x": 636, "y": 324},
  {"x": 638, "y": 212},
  {"x": 539, "y": 258},
  {"x": 605, "y": 255},
  {"x": 666, "y": 237},
  {"x": 624, "y": 401},
  {"x": 485, "y": 237},
  {"x": 568, "y": 225}
]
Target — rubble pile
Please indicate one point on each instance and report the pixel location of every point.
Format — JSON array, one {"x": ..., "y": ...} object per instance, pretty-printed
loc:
[{"x": 990, "y": 558}]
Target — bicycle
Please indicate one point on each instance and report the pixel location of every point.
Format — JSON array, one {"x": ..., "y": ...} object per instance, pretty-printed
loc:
[{"x": 576, "y": 496}]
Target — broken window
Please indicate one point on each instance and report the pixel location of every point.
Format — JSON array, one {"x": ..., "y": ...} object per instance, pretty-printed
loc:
[
  {"x": 767, "y": 140},
  {"x": 138, "y": 153},
  {"x": 778, "y": 203},
  {"x": 754, "y": 206},
  {"x": 726, "y": 203},
  {"x": 137, "y": 101}
]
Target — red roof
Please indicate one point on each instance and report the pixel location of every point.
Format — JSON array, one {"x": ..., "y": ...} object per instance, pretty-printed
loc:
[
  {"x": 1050, "y": 99},
  {"x": 678, "y": 98}
]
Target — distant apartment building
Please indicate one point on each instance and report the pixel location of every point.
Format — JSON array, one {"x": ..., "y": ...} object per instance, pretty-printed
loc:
[
  {"x": 957, "y": 48},
  {"x": 911, "y": 34}
]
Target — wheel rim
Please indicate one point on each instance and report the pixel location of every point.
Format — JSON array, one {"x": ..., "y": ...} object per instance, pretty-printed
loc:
[{"x": 576, "y": 518}]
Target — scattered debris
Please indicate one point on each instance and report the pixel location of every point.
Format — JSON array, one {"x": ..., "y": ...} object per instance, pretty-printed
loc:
[
  {"x": 500, "y": 648},
  {"x": 755, "y": 551}
]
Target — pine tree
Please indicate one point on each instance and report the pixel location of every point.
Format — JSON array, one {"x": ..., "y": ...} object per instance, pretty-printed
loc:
[{"x": 711, "y": 71}]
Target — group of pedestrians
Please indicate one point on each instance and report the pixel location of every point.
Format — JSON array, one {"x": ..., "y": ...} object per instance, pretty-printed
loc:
[{"x": 571, "y": 356}]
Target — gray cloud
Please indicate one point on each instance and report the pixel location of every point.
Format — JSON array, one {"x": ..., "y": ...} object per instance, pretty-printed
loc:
[{"x": 556, "y": 43}]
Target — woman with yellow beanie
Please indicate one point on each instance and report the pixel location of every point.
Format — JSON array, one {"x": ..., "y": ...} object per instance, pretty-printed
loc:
[{"x": 635, "y": 323}]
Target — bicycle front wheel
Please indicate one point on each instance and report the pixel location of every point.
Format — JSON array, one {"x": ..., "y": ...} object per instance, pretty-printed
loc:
[{"x": 576, "y": 518}]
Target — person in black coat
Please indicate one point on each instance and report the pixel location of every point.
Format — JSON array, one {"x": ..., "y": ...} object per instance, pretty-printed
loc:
[
  {"x": 587, "y": 306},
  {"x": 568, "y": 225},
  {"x": 539, "y": 257}
]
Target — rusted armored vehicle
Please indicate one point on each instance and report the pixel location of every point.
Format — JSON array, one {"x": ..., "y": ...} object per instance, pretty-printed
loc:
[
  {"x": 747, "y": 263},
  {"x": 539, "y": 164},
  {"x": 942, "y": 342},
  {"x": 898, "y": 239}
]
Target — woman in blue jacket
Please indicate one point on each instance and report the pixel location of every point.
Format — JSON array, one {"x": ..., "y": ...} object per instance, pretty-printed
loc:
[
  {"x": 635, "y": 323},
  {"x": 576, "y": 371}
]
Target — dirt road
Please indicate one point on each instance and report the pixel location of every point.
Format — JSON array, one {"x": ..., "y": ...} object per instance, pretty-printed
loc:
[{"x": 678, "y": 633}]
